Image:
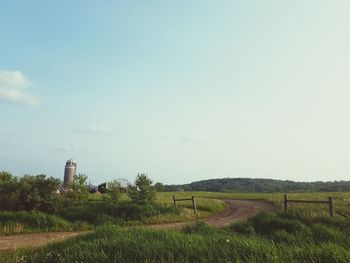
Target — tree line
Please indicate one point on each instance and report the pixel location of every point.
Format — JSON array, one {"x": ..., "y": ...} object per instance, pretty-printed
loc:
[
  {"x": 259, "y": 185},
  {"x": 39, "y": 192}
]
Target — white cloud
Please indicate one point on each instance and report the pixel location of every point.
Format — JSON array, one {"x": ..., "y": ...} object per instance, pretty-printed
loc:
[
  {"x": 182, "y": 139},
  {"x": 64, "y": 148},
  {"x": 14, "y": 88},
  {"x": 96, "y": 129},
  {"x": 69, "y": 147},
  {"x": 190, "y": 139}
]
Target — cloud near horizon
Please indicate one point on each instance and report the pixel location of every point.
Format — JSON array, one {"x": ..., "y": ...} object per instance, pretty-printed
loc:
[
  {"x": 14, "y": 88},
  {"x": 182, "y": 139},
  {"x": 69, "y": 147},
  {"x": 97, "y": 129}
]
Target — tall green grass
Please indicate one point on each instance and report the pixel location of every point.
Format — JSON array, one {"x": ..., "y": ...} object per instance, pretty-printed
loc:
[
  {"x": 35, "y": 221},
  {"x": 203, "y": 243}
]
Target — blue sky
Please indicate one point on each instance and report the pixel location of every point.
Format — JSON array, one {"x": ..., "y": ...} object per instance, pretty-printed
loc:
[{"x": 181, "y": 90}]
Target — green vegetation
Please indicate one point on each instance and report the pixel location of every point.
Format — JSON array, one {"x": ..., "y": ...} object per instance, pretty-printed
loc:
[
  {"x": 32, "y": 204},
  {"x": 303, "y": 234},
  {"x": 78, "y": 192},
  {"x": 35, "y": 221},
  {"x": 248, "y": 185},
  {"x": 123, "y": 213},
  {"x": 142, "y": 191},
  {"x": 113, "y": 192},
  {"x": 341, "y": 200},
  {"x": 28, "y": 192},
  {"x": 274, "y": 237}
]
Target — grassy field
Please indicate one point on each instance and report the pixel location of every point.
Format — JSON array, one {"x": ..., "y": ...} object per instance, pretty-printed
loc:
[
  {"x": 305, "y": 233},
  {"x": 96, "y": 212},
  {"x": 341, "y": 200},
  {"x": 274, "y": 237}
]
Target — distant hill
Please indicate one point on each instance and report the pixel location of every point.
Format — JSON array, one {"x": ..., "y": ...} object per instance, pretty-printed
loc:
[{"x": 260, "y": 186}]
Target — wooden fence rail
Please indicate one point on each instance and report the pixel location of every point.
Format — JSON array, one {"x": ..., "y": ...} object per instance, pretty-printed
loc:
[
  {"x": 187, "y": 199},
  {"x": 329, "y": 202}
]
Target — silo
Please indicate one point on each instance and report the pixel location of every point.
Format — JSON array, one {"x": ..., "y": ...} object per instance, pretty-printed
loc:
[{"x": 69, "y": 172}]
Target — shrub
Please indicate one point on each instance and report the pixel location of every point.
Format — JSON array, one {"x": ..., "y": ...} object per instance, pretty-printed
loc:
[
  {"x": 35, "y": 221},
  {"x": 78, "y": 192},
  {"x": 106, "y": 212},
  {"x": 199, "y": 227},
  {"x": 113, "y": 191},
  {"x": 267, "y": 224},
  {"x": 283, "y": 237},
  {"x": 28, "y": 192},
  {"x": 142, "y": 191},
  {"x": 244, "y": 228},
  {"x": 324, "y": 234}
]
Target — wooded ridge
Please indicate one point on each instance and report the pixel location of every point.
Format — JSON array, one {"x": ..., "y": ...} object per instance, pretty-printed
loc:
[{"x": 260, "y": 185}]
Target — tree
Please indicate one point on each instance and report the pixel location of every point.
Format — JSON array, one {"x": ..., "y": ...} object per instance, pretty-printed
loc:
[
  {"x": 159, "y": 187},
  {"x": 9, "y": 191},
  {"x": 142, "y": 190},
  {"x": 113, "y": 191},
  {"x": 28, "y": 192},
  {"x": 78, "y": 191}
]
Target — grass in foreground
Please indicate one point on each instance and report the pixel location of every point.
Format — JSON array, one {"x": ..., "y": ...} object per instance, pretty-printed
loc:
[
  {"x": 275, "y": 237},
  {"x": 98, "y": 212}
]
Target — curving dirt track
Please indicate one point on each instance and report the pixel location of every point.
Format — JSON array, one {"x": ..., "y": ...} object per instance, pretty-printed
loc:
[
  {"x": 237, "y": 210},
  {"x": 35, "y": 240}
]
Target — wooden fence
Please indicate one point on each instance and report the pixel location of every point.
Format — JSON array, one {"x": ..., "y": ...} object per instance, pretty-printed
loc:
[
  {"x": 329, "y": 202},
  {"x": 187, "y": 199}
]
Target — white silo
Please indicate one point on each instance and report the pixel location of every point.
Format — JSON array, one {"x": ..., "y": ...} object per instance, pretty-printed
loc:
[{"x": 69, "y": 172}]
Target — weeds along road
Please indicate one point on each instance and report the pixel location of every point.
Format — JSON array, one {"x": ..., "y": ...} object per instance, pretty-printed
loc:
[{"x": 236, "y": 210}]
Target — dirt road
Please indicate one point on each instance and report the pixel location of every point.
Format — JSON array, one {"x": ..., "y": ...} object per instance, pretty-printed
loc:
[
  {"x": 237, "y": 210},
  {"x": 34, "y": 240}
]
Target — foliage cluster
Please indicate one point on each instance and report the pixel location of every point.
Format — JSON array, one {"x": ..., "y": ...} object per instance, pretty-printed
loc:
[
  {"x": 78, "y": 192},
  {"x": 125, "y": 212},
  {"x": 35, "y": 221},
  {"x": 28, "y": 192},
  {"x": 297, "y": 228},
  {"x": 260, "y": 186},
  {"x": 113, "y": 192},
  {"x": 142, "y": 190}
]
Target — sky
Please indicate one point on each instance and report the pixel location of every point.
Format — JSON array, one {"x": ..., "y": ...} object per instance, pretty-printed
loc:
[{"x": 181, "y": 90}]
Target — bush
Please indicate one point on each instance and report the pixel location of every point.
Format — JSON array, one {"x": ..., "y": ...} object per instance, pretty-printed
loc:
[
  {"x": 113, "y": 191},
  {"x": 324, "y": 234},
  {"x": 142, "y": 191},
  {"x": 106, "y": 212},
  {"x": 200, "y": 227},
  {"x": 39, "y": 221},
  {"x": 244, "y": 228},
  {"x": 283, "y": 237},
  {"x": 28, "y": 192},
  {"x": 78, "y": 192}
]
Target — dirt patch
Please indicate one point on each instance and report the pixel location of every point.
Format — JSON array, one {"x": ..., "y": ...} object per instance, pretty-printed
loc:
[
  {"x": 237, "y": 210},
  {"x": 35, "y": 240}
]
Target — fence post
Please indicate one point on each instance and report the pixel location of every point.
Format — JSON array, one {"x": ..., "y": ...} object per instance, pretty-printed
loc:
[
  {"x": 174, "y": 200},
  {"x": 194, "y": 205},
  {"x": 285, "y": 202},
  {"x": 331, "y": 206}
]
